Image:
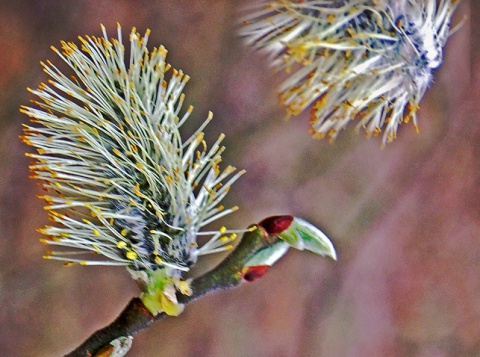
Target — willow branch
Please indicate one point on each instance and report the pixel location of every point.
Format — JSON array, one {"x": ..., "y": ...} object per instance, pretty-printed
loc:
[{"x": 135, "y": 317}]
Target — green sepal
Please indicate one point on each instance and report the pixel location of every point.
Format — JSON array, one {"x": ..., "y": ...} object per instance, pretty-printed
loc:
[{"x": 305, "y": 236}]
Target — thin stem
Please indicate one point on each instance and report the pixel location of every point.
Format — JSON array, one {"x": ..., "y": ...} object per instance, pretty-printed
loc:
[{"x": 134, "y": 318}]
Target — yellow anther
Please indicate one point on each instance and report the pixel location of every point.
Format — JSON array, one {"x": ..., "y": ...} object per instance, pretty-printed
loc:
[
  {"x": 121, "y": 244},
  {"x": 199, "y": 137},
  {"x": 136, "y": 189},
  {"x": 131, "y": 255}
]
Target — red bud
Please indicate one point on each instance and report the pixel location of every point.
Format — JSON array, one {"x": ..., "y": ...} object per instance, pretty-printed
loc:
[
  {"x": 255, "y": 272},
  {"x": 276, "y": 224}
]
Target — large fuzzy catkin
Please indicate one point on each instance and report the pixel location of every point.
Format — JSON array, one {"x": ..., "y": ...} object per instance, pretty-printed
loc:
[
  {"x": 120, "y": 181},
  {"x": 369, "y": 61}
]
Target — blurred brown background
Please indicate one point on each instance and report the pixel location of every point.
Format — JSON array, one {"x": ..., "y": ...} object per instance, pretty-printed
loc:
[{"x": 405, "y": 219}]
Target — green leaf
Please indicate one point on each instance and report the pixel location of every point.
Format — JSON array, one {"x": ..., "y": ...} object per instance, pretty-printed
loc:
[
  {"x": 268, "y": 256},
  {"x": 305, "y": 236}
]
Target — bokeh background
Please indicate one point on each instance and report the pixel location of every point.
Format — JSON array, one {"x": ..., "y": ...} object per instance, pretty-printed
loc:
[{"x": 405, "y": 219}]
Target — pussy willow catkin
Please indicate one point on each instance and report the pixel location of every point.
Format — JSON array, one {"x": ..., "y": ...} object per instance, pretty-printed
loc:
[{"x": 367, "y": 61}]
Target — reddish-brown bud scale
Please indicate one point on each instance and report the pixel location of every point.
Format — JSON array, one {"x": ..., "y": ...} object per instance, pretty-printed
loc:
[
  {"x": 276, "y": 224},
  {"x": 255, "y": 272}
]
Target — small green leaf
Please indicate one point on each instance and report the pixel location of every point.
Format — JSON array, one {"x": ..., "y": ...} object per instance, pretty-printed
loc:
[
  {"x": 152, "y": 302},
  {"x": 303, "y": 235},
  {"x": 159, "y": 294}
]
